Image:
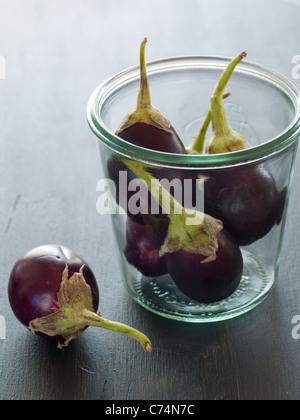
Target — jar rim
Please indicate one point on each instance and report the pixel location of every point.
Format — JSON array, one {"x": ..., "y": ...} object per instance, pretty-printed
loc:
[{"x": 261, "y": 151}]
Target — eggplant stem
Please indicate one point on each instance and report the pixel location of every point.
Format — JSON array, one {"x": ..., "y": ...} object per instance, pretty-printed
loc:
[
  {"x": 218, "y": 114},
  {"x": 198, "y": 144},
  {"x": 144, "y": 96},
  {"x": 94, "y": 320}
]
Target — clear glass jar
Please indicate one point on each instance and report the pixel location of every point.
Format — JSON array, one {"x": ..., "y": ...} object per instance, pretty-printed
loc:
[{"x": 265, "y": 108}]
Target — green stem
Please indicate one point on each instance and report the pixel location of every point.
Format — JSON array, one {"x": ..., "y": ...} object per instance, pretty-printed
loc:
[
  {"x": 189, "y": 230},
  {"x": 218, "y": 114},
  {"x": 144, "y": 96},
  {"x": 94, "y": 320},
  {"x": 76, "y": 313},
  {"x": 198, "y": 144}
]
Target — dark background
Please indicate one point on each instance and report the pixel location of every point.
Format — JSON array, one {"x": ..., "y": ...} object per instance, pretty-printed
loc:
[{"x": 56, "y": 53}]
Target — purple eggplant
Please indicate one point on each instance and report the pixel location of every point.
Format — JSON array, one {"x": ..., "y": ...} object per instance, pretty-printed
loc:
[
  {"x": 211, "y": 281},
  {"x": 54, "y": 293},
  {"x": 143, "y": 244},
  {"x": 204, "y": 261},
  {"x": 244, "y": 197},
  {"x": 145, "y": 127},
  {"x": 246, "y": 200}
]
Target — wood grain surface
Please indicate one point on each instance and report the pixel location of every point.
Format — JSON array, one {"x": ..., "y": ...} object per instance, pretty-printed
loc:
[{"x": 56, "y": 53}]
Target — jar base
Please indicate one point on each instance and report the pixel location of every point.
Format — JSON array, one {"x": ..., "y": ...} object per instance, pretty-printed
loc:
[{"x": 161, "y": 296}]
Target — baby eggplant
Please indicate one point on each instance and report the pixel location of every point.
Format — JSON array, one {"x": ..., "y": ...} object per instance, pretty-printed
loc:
[
  {"x": 143, "y": 244},
  {"x": 244, "y": 197},
  {"x": 145, "y": 127},
  {"x": 54, "y": 293},
  {"x": 203, "y": 260},
  {"x": 212, "y": 281}
]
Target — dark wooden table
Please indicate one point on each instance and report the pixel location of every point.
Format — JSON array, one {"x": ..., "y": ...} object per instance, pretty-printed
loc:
[{"x": 55, "y": 53}]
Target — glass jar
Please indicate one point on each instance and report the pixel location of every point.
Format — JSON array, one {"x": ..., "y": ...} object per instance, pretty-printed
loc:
[{"x": 265, "y": 109}]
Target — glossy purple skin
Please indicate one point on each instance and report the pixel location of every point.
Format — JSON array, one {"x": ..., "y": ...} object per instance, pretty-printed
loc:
[
  {"x": 35, "y": 281},
  {"x": 208, "y": 282},
  {"x": 143, "y": 244},
  {"x": 149, "y": 137},
  {"x": 246, "y": 200},
  {"x": 153, "y": 138}
]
